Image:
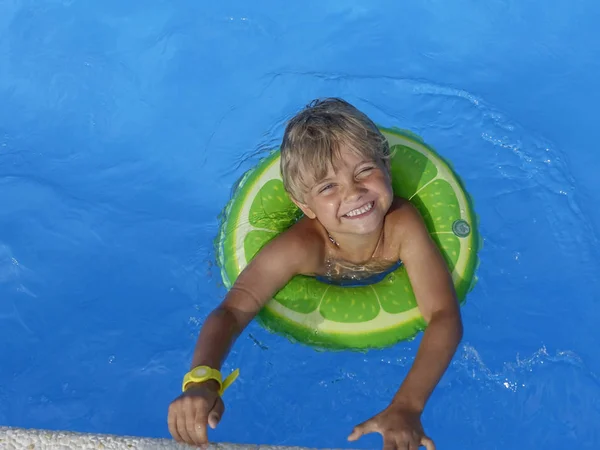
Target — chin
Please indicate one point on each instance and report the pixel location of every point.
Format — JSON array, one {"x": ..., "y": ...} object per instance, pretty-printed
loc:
[{"x": 372, "y": 228}]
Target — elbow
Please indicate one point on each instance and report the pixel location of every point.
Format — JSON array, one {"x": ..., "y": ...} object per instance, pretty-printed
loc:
[
  {"x": 457, "y": 326},
  {"x": 226, "y": 318},
  {"x": 451, "y": 321},
  {"x": 459, "y": 329}
]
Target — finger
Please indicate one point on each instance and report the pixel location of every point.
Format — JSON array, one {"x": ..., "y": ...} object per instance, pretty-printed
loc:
[
  {"x": 180, "y": 424},
  {"x": 427, "y": 443},
  {"x": 391, "y": 444},
  {"x": 195, "y": 430},
  {"x": 413, "y": 444},
  {"x": 172, "y": 421},
  {"x": 413, "y": 440},
  {"x": 199, "y": 426},
  {"x": 364, "y": 428},
  {"x": 214, "y": 417}
]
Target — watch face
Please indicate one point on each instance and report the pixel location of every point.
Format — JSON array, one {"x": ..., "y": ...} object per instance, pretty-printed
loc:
[{"x": 200, "y": 372}]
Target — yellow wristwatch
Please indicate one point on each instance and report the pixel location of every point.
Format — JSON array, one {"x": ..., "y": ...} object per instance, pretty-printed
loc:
[{"x": 204, "y": 373}]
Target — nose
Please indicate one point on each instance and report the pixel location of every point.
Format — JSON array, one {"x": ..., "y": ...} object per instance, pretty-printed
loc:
[{"x": 354, "y": 192}]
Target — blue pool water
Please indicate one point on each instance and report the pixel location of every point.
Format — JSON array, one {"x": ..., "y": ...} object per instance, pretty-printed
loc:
[{"x": 124, "y": 125}]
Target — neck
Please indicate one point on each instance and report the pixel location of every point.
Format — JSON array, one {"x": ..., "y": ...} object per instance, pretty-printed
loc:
[{"x": 356, "y": 248}]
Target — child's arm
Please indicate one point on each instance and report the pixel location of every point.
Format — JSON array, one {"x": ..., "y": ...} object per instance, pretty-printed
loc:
[
  {"x": 287, "y": 255},
  {"x": 436, "y": 299},
  {"x": 290, "y": 253}
]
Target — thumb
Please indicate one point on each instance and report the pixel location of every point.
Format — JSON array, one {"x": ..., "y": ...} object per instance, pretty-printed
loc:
[
  {"x": 364, "y": 428},
  {"x": 427, "y": 443},
  {"x": 215, "y": 414}
]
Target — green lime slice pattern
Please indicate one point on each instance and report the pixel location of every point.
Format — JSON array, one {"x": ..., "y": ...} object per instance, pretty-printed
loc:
[{"x": 336, "y": 317}]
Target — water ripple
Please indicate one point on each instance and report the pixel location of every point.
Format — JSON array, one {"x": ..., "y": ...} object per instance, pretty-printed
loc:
[{"x": 513, "y": 375}]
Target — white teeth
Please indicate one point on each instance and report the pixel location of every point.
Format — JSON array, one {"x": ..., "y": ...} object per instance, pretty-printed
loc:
[{"x": 362, "y": 210}]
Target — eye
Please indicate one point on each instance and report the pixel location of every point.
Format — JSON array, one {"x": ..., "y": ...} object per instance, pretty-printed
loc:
[
  {"x": 365, "y": 170},
  {"x": 325, "y": 188}
]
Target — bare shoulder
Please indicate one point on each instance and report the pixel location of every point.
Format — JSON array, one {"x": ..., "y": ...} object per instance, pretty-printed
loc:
[
  {"x": 404, "y": 219},
  {"x": 300, "y": 247},
  {"x": 427, "y": 270},
  {"x": 293, "y": 252}
]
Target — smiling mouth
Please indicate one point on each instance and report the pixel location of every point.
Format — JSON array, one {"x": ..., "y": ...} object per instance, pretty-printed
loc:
[{"x": 360, "y": 211}]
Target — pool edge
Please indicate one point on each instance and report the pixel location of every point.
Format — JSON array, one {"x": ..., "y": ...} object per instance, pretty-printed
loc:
[{"x": 21, "y": 438}]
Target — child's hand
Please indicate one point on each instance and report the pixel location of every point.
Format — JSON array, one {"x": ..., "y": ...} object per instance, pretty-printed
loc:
[
  {"x": 400, "y": 427},
  {"x": 189, "y": 413}
]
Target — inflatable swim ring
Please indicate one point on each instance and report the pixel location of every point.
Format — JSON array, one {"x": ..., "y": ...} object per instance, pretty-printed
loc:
[{"x": 336, "y": 317}]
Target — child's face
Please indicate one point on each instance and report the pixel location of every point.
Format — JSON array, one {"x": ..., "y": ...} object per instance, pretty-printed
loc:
[{"x": 354, "y": 196}]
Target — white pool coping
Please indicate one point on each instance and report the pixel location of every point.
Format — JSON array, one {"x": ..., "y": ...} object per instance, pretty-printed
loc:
[{"x": 25, "y": 439}]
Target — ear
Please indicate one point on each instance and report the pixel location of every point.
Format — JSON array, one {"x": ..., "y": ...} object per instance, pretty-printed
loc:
[{"x": 305, "y": 209}]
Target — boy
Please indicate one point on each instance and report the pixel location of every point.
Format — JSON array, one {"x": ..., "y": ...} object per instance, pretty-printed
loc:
[{"x": 335, "y": 167}]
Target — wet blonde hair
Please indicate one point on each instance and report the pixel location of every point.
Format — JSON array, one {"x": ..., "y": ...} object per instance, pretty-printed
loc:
[{"x": 313, "y": 140}]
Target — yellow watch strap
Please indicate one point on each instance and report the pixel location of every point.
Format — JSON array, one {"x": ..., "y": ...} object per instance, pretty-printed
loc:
[
  {"x": 229, "y": 380},
  {"x": 204, "y": 373}
]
